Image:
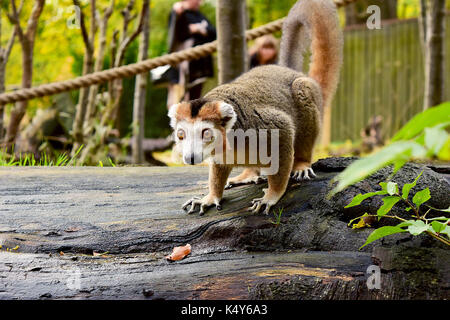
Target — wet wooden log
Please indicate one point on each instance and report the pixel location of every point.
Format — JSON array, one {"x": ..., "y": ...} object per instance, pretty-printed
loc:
[{"x": 104, "y": 233}]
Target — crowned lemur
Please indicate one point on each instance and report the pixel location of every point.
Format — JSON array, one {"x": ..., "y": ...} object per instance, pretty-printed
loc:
[{"x": 276, "y": 98}]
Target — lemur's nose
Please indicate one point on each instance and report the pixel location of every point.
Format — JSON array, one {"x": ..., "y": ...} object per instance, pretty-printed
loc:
[{"x": 189, "y": 158}]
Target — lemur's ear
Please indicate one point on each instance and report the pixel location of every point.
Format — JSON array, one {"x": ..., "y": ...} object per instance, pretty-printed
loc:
[
  {"x": 227, "y": 114},
  {"x": 171, "y": 114}
]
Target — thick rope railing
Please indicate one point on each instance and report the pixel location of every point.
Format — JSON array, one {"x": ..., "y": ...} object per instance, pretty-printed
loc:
[{"x": 137, "y": 68}]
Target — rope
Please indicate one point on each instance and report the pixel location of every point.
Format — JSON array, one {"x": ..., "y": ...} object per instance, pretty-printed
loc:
[{"x": 137, "y": 68}]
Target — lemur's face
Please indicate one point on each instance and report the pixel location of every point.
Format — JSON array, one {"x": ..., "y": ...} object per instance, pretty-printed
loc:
[{"x": 199, "y": 129}]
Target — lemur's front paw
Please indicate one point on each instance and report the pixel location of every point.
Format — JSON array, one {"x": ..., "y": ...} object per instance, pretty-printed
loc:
[
  {"x": 204, "y": 204},
  {"x": 266, "y": 201}
]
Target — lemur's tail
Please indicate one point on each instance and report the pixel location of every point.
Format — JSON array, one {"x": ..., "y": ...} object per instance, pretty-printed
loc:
[{"x": 314, "y": 24}]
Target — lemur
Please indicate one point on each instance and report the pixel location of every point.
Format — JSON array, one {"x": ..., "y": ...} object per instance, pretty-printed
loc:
[{"x": 267, "y": 97}]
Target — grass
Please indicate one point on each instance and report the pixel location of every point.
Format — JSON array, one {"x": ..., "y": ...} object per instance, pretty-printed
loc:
[
  {"x": 45, "y": 160},
  {"x": 277, "y": 217}
]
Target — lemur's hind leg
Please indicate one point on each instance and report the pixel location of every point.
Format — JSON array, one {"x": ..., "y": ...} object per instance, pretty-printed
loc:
[
  {"x": 249, "y": 175},
  {"x": 308, "y": 96},
  {"x": 278, "y": 177},
  {"x": 302, "y": 171}
]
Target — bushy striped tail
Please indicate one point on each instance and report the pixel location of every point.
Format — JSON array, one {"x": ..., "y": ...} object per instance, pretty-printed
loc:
[{"x": 314, "y": 24}]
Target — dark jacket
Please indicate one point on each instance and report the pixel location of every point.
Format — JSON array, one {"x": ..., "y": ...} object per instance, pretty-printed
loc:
[{"x": 179, "y": 32}]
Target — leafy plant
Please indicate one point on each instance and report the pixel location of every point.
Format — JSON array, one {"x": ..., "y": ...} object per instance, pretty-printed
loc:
[
  {"x": 438, "y": 228},
  {"x": 422, "y": 137}
]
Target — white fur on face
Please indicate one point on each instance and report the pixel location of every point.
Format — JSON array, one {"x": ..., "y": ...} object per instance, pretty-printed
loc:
[
  {"x": 171, "y": 114},
  {"x": 227, "y": 112},
  {"x": 193, "y": 149}
]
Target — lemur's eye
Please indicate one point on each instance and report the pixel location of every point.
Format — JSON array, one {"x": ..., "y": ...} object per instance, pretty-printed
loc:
[
  {"x": 207, "y": 134},
  {"x": 181, "y": 134}
]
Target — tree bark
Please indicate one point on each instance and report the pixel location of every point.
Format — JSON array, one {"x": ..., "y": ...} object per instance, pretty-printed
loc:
[
  {"x": 111, "y": 112},
  {"x": 88, "y": 67},
  {"x": 91, "y": 105},
  {"x": 26, "y": 38},
  {"x": 423, "y": 24},
  {"x": 115, "y": 87},
  {"x": 140, "y": 93},
  {"x": 4, "y": 56},
  {"x": 232, "y": 45},
  {"x": 434, "y": 53}
]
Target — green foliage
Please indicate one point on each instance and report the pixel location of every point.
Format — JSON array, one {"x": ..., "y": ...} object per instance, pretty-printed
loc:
[
  {"x": 397, "y": 153},
  {"x": 408, "y": 8},
  {"x": 421, "y": 197},
  {"x": 382, "y": 232},
  {"x": 408, "y": 186},
  {"x": 422, "y": 137},
  {"x": 264, "y": 11},
  {"x": 415, "y": 227},
  {"x": 45, "y": 160},
  {"x": 388, "y": 203},
  {"x": 22, "y": 160},
  {"x": 361, "y": 197},
  {"x": 439, "y": 115},
  {"x": 419, "y": 224},
  {"x": 277, "y": 216}
]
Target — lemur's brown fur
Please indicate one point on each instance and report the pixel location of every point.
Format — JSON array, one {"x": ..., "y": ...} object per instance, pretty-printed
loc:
[{"x": 279, "y": 97}]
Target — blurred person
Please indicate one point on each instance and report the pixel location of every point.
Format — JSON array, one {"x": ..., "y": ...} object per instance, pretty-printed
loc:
[
  {"x": 188, "y": 27},
  {"x": 264, "y": 51}
]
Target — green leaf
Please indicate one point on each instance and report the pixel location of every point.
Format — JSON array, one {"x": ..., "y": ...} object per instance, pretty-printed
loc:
[
  {"x": 440, "y": 218},
  {"x": 361, "y": 197},
  {"x": 406, "y": 223},
  {"x": 396, "y": 153},
  {"x": 382, "y": 232},
  {"x": 446, "y": 231},
  {"x": 417, "y": 227},
  {"x": 435, "y": 139},
  {"x": 421, "y": 197},
  {"x": 428, "y": 118},
  {"x": 399, "y": 163},
  {"x": 420, "y": 139},
  {"x": 388, "y": 203},
  {"x": 443, "y": 210},
  {"x": 392, "y": 188},
  {"x": 444, "y": 154},
  {"x": 408, "y": 186},
  {"x": 438, "y": 227}
]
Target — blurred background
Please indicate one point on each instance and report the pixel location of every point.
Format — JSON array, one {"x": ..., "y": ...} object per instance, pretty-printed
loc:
[{"x": 381, "y": 86}]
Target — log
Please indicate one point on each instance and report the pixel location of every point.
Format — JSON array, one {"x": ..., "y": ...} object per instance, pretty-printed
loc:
[{"x": 103, "y": 233}]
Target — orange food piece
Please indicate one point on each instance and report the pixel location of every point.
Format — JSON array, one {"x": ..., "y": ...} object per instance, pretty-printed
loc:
[{"x": 179, "y": 253}]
